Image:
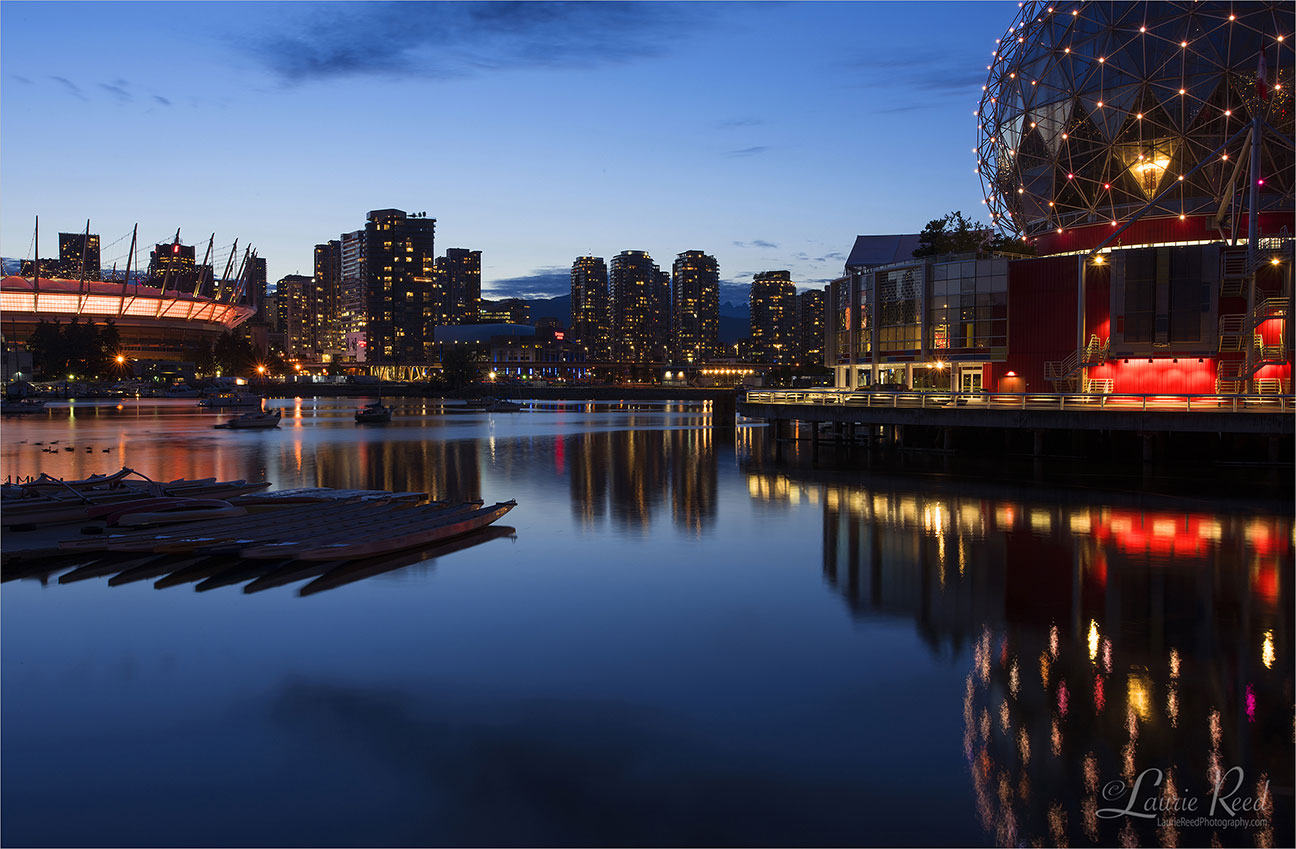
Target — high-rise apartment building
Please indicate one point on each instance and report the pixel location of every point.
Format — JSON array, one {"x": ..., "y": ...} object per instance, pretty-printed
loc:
[
  {"x": 399, "y": 263},
  {"x": 773, "y": 317},
  {"x": 351, "y": 286},
  {"x": 255, "y": 291},
  {"x": 640, "y": 308},
  {"x": 79, "y": 256},
  {"x": 589, "y": 307},
  {"x": 171, "y": 266},
  {"x": 695, "y": 307},
  {"x": 458, "y": 283},
  {"x": 505, "y": 311},
  {"x": 810, "y": 327},
  {"x": 295, "y": 303},
  {"x": 327, "y": 282}
]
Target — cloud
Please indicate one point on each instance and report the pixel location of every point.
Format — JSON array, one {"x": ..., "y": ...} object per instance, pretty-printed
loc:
[
  {"x": 117, "y": 88},
  {"x": 157, "y": 98},
  {"x": 72, "y": 88},
  {"x": 735, "y": 123},
  {"x": 449, "y": 40},
  {"x": 748, "y": 151},
  {"x": 923, "y": 79},
  {"x": 20, "y": 78},
  {"x": 755, "y": 243},
  {"x": 548, "y": 282}
]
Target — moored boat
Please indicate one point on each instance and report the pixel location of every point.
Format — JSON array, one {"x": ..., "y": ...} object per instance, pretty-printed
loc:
[
  {"x": 21, "y": 406},
  {"x": 252, "y": 420},
  {"x": 385, "y": 540},
  {"x": 174, "y": 510},
  {"x": 373, "y": 413}
]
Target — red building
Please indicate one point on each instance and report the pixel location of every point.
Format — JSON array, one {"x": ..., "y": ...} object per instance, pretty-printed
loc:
[{"x": 1143, "y": 150}]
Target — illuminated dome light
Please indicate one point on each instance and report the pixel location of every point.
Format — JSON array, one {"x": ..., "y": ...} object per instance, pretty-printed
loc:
[{"x": 1055, "y": 127}]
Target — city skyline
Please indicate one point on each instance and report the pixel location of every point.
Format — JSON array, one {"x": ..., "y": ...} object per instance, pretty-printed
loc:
[{"x": 765, "y": 166}]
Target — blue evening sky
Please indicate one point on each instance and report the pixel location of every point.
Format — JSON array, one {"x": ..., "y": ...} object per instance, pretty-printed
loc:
[{"x": 767, "y": 134}]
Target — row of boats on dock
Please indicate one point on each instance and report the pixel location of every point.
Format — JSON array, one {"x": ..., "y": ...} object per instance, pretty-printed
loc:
[{"x": 127, "y": 512}]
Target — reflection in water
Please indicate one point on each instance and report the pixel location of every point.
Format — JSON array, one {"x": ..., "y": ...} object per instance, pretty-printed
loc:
[
  {"x": 215, "y": 571},
  {"x": 1105, "y": 641},
  {"x": 635, "y": 470}
]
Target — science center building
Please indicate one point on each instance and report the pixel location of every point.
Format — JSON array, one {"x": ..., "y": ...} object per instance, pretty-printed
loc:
[{"x": 1144, "y": 152}]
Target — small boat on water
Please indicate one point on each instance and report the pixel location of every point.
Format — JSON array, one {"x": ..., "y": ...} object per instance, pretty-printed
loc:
[
  {"x": 174, "y": 510},
  {"x": 21, "y": 406},
  {"x": 252, "y": 420},
  {"x": 229, "y": 398},
  {"x": 180, "y": 390},
  {"x": 502, "y": 406},
  {"x": 373, "y": 413}
]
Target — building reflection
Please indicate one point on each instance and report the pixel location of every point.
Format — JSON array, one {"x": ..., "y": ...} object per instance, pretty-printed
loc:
[
  {"x": 630, "y": 474},
  {"x": 447, "y": 470},
  {"x": 1102, "y": 641}
]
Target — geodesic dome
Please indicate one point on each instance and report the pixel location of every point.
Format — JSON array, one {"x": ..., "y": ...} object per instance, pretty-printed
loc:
[{"x": 1094, "y": 109}]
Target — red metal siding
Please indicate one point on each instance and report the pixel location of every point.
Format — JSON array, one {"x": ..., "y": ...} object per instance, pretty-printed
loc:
[
  {"x": 1150, "y": 231},
  {"x": 1041, "y": 319}
]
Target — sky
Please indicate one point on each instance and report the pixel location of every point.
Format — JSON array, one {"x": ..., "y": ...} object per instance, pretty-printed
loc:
[{"x": 766, "y": 134}]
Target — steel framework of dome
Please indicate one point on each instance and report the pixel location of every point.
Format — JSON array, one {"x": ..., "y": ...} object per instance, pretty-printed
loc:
[{"x": 1094, "y": 109}]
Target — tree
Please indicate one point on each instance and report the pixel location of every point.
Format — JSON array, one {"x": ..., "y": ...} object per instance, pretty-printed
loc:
[
  {"x": 459, "y": 367},
  {"x": 956, "y": 233}
]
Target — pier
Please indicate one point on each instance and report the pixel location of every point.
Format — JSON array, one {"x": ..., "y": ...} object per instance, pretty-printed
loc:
[{"x": 1243, "y": 426}]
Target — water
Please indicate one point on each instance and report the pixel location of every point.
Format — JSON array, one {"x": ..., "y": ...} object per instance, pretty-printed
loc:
[{"x": 682, "y": 641}]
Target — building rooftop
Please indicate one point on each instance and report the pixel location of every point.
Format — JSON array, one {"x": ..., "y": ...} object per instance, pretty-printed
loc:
[{"x": 881, "y": 250}]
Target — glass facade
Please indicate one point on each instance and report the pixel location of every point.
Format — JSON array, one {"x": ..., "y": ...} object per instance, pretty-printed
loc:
[{"x": 968, "y": 314}]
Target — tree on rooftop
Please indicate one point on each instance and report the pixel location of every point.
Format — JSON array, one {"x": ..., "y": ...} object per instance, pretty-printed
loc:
[{"x": 956, "y": 233}]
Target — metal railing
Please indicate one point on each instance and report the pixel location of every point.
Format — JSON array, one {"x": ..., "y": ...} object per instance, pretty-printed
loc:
[{"x": 1107, "y": 401}]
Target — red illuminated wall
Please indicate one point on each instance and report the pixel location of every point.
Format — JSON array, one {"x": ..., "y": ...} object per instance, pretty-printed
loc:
[
  {"x": 1160, "y": 375},
  {"x": 1149, "y": 231}
]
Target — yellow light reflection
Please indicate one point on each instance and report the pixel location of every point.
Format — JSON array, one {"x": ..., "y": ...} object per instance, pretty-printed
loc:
[
  {"x": 1093, "y": 641},
  {"x": 1267, "y": 650},
  {"x": 1138, "y": 690}
]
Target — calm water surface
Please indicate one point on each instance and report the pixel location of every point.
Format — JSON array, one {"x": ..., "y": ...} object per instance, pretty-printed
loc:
[{"x": 679, "y": 640}]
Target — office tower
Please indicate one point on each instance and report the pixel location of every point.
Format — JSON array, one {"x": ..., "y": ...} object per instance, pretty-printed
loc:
[
  {"x": 589, "y": 307},
  {"x": 458, "y": 281},
  {"x": 295, "y": 300},
  {"x": 773, "y": 317},
  {"x": 328, "y": 285},
  {"x": 399, "y": 261},
  {"x": 810, "y": 327},
  {"x": 640, "y": 311},
  {"x": 695, "y": 307},
  {"x": 79, "y": 256}
]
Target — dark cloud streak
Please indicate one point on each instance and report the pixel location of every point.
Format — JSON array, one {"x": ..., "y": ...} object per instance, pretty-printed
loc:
[
  {"x": 72, "y": 88},
  {"x": 449, "y": 40},
  {"x": 547, "y": 282}
]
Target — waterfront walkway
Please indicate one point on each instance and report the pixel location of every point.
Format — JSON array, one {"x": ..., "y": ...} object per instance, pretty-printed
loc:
[{"x": 1259, "y": 414}]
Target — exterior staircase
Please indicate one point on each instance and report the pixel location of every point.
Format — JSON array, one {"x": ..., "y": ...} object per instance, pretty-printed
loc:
[{"x": 1070, "y": 369}]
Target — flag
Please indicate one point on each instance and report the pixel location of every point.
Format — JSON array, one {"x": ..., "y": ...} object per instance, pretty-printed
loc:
[{"x": 1262, "y": 79}]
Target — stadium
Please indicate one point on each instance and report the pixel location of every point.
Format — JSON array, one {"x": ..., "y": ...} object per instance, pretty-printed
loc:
[
  {"x": 1143, "y": 151},
  {"x": 162, "y": 315}
]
